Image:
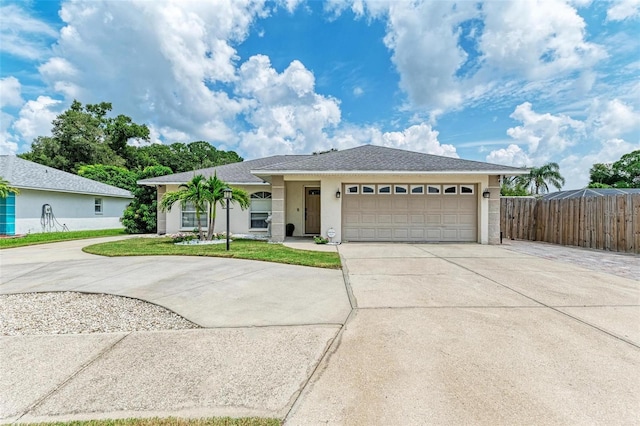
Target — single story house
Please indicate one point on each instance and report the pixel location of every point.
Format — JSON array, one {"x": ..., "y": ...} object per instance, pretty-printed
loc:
[
  {"x": 53, "y": 200},
  {"x": 367, "y": 193}
]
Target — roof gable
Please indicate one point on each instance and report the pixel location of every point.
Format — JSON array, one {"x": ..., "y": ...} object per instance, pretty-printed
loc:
[
  {"x": 234, "y": 173},
  {"x": 25, "y": 174},
  {"x": 374, "y": 158}
]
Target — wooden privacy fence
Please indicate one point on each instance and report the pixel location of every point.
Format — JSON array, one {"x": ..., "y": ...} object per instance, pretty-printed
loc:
[{"x": 609, "y": 222}]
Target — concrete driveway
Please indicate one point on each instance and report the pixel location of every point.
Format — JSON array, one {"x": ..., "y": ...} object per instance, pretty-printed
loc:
[
  {"x": 413, "y": 334},
  {"x": 469, "y": 334}
]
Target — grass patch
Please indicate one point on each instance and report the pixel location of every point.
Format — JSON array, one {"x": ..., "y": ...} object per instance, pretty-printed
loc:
[
  {"x": 171, "y": 421},
  {"x": 240, "y": 249},
  {"x": 54, "y": 237}
]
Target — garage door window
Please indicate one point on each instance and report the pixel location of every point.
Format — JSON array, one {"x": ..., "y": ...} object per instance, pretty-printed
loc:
[
  {"x": 368, "y": 189},
  {"x": 417, "y": 189},
  {"x": 466, "y": 189},
  {"x": 384, "y": 189},
  {"x": 352, "y": 189},
  {"x": 450, "y": 189},
  {"x": 401, "y": 189},
  {"x": 433, "y": 189}
]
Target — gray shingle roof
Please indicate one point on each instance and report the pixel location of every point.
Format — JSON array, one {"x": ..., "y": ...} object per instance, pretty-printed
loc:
[
  {"x": 382, "y": 159},
  {"x": 25, "y": 174},
  {"x": 234, "y": 173}
]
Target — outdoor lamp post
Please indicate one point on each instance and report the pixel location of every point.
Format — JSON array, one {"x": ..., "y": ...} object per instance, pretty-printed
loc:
[{"x": 227, "y": 196}]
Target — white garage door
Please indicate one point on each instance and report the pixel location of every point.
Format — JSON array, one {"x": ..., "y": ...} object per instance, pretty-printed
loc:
[{"x": 399, "y": 212}]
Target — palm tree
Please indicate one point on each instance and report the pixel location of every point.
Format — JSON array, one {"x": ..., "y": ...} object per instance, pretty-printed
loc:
[
  {"x": 6, "y": 188},
  {"x": 539, "y": 177},
  {"x": 195, "y": 192},
  {"x": 215, "y": 196}
]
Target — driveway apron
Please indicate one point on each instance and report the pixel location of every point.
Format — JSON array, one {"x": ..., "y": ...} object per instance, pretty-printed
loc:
[{"x": 471, "y": 334}]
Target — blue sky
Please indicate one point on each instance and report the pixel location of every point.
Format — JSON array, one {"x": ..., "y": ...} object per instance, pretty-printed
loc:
[{"x": 517, "y": 83}]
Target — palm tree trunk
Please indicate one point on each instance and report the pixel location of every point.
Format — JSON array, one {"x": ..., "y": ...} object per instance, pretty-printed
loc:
[
  {"x": 211, "y": 222},
  {"x": 199, "y": 225}
]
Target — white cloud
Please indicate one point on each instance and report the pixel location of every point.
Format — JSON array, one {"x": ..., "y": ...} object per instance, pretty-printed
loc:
[
  {"x": 512, "y": 155},
  {"x": 35, "y": 118},
  {"x": 613, "y": 119},
  {"x": 548, "y": 137},
  {"x": 545, "y": 133},
  {"x": 8, "y": 143},
  {"x": 420, "y": 138},
  {"x": 10, "y": 92},
  {"x": 167, "y": 64},
  {"x": 22, "y": 35},
  {"x": 536, "y": 39},
  {"x": 452, "y": 54},
  {"x": 358, "y": 91},
  {"x": 623, "y": 9},
  {"x": 286, "y": 114}
]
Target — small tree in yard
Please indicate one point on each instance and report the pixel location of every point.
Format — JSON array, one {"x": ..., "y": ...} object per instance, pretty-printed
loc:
[
  {"x": 215, "y": 195},
  {"x": 194, "y": 192},
  {"x": 204, "y": 194}
]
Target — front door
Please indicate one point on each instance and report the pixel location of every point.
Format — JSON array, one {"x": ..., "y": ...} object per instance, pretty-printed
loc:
[{"x": 312, "y": 211}]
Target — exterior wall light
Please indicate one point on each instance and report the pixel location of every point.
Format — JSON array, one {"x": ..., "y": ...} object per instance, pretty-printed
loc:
[
  {"x": 486, "y": 194},
  {"x": 338, "y": 193}
]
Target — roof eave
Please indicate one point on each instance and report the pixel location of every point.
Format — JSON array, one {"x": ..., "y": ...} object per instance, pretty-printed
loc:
[
  {"x": 68, "y": 191},
  {"x": 388, "y": 172},
  {"x": 155, "y": 183}
]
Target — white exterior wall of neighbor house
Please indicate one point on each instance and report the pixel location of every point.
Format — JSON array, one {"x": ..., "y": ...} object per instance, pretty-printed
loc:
[
  {"x": 331, "y": 207},
  {"x": 76, "y": 211},
  {"x": 239, "y": 220}
]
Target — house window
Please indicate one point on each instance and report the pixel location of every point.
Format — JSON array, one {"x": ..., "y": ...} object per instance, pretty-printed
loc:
[
  {"x": 466, "y": 189},
  {"x": 260, "y": 209},
  {"x": 417, "y": 189},
  {"x": 188, "y": 218},
  {"x": 352, "y": 189},
  {"x": 450, "y": 189},
  {"x": 368, "y": 189},
  {"x": 97, "y": 205},
  {"x": 400, "y": 189},
  {"x": 384, "y": 189},
  {"x": 433, "y": 189}
]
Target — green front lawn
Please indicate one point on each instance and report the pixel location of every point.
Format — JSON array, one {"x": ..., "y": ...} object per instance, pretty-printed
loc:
[
  {"x": 54, "y": 237},
  {"x": 171, "y": 421},
  {"x": 240, "y": 249}
]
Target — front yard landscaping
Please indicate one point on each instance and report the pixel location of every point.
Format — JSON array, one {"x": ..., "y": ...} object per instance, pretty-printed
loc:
[
  {"x": 240, "y": 249},
  {"x": 54, "y": 237}
]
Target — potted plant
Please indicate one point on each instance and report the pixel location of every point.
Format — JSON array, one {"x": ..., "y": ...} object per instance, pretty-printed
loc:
[{"x": 290, "y": 228}]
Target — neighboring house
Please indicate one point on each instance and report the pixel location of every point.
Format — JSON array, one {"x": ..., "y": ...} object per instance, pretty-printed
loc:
[
  {"x": 51, "y": 200},
  {"x": 368, "y": 193}
]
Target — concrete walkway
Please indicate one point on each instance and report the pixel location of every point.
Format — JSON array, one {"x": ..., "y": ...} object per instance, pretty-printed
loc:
[{"x": 414, "y": 334}]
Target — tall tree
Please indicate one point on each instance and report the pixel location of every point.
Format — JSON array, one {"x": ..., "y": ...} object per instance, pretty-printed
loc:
[
  {"x": 181, "y": 157},
  {"x": 84, "y": 135},
  {"x": 111, "y": 175},
  {"x": 6, "y": 188},
  {"x": 215, "y": 195},
  {"x": 624, "y": 173},
  {"x": 539, "y": 178}
]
